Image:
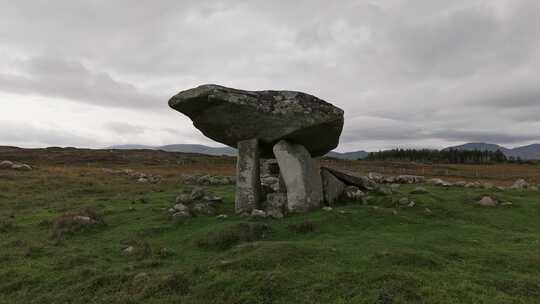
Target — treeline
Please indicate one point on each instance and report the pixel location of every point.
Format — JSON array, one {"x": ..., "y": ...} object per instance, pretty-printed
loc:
[{"x": 450, "y": 156}]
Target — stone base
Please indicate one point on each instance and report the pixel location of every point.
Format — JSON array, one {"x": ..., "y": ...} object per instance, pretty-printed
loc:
[{"x": 248, "y": 182}]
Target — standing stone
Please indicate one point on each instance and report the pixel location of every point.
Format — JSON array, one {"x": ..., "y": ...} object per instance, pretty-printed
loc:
[
  {"x": 302, "y": 176},
  {"x": 332, "y": 187},
  {"x": 248, "y": 184}
]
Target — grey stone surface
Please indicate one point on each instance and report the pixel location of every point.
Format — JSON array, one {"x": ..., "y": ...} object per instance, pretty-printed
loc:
[
  {"x": 352, "y": 178},
  {"x": 487, "y": 201},
  {"x": 248, "y": 184},
  {"x": 302, "y": 176},
  {"x": 230, "y": 116},
  {"x": 275, "y": 205},
  {"x": 6, "y": 164},
  {"x": 332, "y": 187},
  {"x": 353, "y": 193},
  {"x": 520, "y": 184}
]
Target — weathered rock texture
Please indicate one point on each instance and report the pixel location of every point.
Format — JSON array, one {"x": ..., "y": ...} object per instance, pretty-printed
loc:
[
  {"x": 352, "y": 178},
  {"x": 248, "y": 183},
  {"x": 302, "y": 176},
  {"x": 230, "y": 116},
  {"x": 332, "y": 187}
]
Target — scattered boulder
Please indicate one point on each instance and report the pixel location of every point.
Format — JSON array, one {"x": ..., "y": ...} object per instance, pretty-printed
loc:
[
  {"x": 140, "y": 177},
  {"x": 404, "y": 201},
  {"x": 383, "y": 191},
  {"x": 203, "y": 209},
  {"x": 197, "y": 194},
  {"x": 353, "y": 193},
  {"x": 520, "y": 184},
  {"x": 473, "y": 185},
  {"x": 6, "y": 164},
  {"x": 184, "y": 199},
  {"x": 181, "y": 208},
  {"x": 420, "y": 190},
  {"x": 258, "y": 213},
  {"x": 376, "y": 177},
  {"x": 438, "y": 182},
  {"x": 487, "y": 201},
  {"x": 409, "y": 179}
]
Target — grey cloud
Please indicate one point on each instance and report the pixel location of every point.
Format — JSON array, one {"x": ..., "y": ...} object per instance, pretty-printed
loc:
[
  {"x": 72, "y": 80},
  {"x": 418, "y": 72},
  {"x": 124, "y": 128}
]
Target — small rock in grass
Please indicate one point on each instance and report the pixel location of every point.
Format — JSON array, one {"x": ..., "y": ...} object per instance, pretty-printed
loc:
[
  {"x": 327, "y": 208},
  {"x": 6, "y": 164},
  {"x": 353, "y": 193},
  {"x": 384, "y": 191},
  {"x": 258, "y": 213},
  {"x": 428, "y": 211},
  {"x": 197, "y": 194},
  {"x": 129, "y": 250},
  {"x": 181, "y": 207},
  {"x": 506, "y": 204},
  {"x": 520, "y": 184},
  {"x": 140, "y": 277},
  {"x": 487, "y": 201},
  {"x": 184, "y": 199},
  {"x": 142, "y": 180},
  {"x": 181, "y": 214},
  {"x": 403, "y": 201},
  {"x": 21, "y": 167},
  {"x": 419, "y": 190},
  {"x": 222, "y": 216},
  {"x": 203, "y": 208}
]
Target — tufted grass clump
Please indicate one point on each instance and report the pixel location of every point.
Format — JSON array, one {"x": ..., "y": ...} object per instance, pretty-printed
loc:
[{"x": 234, "y": 235}]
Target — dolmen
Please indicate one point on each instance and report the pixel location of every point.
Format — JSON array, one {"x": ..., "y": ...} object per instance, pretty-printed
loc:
[{"x": 291, "y": 127}]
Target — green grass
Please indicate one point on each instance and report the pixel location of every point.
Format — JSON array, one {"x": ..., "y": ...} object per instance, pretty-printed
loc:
[{"x": 458, "y": 253}]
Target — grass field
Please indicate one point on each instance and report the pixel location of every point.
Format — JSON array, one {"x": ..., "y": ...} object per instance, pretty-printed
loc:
[{"x": 376, "y": 253}]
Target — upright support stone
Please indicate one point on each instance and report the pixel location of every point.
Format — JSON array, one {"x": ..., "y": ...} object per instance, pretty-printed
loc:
[
  {"x": 248, "y": 183},
  {"x": 302, "y": 176}
]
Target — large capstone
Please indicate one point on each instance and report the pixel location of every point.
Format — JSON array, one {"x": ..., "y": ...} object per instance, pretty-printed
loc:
[
  {"x": 302, "y": 176},
  {"x": 230, "y": 116}
]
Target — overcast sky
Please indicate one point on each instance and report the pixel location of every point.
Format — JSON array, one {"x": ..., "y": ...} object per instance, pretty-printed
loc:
[{"x": 410, "y": 73}]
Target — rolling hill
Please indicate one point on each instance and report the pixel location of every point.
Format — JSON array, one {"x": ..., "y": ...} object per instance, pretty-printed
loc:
[
  {"x": 202, "y": 149},
  {"x": 530, "y": 152}
]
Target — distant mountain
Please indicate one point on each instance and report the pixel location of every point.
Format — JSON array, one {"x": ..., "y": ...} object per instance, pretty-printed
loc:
[
  {"x": 529, "y": 152},
  {"x": 348, "y": 155},
  {"x": 202, "y": 149}
]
